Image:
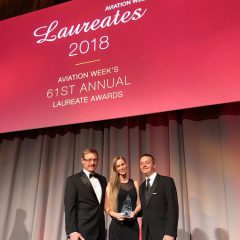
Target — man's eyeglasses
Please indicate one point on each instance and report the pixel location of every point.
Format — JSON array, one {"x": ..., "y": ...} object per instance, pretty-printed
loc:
[{"x": 95, "y": 160}]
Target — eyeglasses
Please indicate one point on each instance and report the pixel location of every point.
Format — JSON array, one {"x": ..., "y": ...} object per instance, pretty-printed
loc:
[{"x": 95, "y": 160}]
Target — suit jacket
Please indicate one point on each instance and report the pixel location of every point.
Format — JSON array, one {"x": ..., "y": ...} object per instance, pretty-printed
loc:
[
  {"x": 83, "y": 213},
  {"x": 160, "y": 211}
]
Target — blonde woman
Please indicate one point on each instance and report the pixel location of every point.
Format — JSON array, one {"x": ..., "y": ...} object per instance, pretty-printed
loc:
[{"x": 121, "y": 193}]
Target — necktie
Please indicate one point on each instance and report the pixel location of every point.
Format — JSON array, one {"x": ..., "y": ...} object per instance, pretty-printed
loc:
[{"x": 148, "y": 188}]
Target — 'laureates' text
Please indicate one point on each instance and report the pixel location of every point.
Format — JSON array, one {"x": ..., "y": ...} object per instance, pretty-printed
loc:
[{"x": 54, "y": 31}]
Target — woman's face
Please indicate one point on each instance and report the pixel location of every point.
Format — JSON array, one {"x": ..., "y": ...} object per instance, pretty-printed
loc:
[{"x": 121, "y": 167}]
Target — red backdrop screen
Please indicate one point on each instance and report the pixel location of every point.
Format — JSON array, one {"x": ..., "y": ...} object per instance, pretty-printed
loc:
[{"x": 91, "y": 60}]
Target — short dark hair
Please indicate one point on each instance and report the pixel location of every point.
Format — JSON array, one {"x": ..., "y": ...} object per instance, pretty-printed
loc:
[{"x": 148, "y": 155}]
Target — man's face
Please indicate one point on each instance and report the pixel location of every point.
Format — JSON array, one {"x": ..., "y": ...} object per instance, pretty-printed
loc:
[
  {"x": 146, "y": 165},
  {"x": 90, "y": 162}
]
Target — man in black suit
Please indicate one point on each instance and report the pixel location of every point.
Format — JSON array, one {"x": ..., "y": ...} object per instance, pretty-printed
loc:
[
  {"x": 159, "y": 203},
  {"x": 84, "y": 201}
]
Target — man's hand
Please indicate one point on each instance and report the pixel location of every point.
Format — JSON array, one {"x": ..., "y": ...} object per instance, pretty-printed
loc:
[
  {"x": 76, "y": 236},
  {"x": 167, "y": 237}
]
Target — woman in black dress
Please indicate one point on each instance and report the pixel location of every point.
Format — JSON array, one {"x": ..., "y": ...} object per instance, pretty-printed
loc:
[{"x": 122, "y": 203}]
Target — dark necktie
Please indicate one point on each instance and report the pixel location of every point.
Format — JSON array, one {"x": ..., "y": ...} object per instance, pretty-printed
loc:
[{"x": 148, "y": 188}]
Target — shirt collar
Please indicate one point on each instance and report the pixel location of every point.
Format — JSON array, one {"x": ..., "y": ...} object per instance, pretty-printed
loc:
[
  {"x": 86, "y": 172},
  {"x": 152, "y": 177}
]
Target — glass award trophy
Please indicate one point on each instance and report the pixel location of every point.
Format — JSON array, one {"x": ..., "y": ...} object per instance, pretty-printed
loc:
[{"x": 127, "y": 207}]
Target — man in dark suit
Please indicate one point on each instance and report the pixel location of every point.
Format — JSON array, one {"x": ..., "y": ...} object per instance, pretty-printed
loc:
[
  {"x": 159, "y": 203},
  {"x": 84, "y": 201}
]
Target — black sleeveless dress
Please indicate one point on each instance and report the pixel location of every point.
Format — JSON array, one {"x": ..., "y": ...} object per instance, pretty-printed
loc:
[{"x": 127, "y": 229}]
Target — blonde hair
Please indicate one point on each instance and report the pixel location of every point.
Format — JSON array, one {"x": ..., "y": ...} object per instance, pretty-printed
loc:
[{"x": 114, "y": 184}]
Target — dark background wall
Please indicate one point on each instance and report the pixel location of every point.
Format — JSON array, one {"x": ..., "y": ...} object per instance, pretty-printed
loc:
[{"x": 12, "y": 8}]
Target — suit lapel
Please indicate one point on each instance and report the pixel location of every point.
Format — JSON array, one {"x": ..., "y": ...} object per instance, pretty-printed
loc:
[
  {"x": 87, "y": 182},
  {"x": 144, "y": 193}
]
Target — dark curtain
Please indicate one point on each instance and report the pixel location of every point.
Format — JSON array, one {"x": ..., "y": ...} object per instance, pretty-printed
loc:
[{"x": 12, "y": 8}]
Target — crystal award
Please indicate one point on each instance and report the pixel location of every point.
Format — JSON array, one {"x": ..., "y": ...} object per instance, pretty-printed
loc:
[{"x": 127, "y": 207}]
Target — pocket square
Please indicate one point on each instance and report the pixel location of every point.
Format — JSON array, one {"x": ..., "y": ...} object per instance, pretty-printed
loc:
[{"x": 154, "y": 193}]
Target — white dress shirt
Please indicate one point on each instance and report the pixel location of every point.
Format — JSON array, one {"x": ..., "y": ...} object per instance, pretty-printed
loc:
[
  {"x": 152, "y": 178},
  {"x": 95, "y": 184}
]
